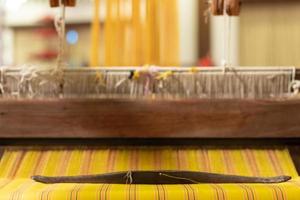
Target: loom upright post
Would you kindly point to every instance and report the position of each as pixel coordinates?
(189, 31)
(224, 30)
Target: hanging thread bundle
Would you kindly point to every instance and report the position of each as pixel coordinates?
(136, 33)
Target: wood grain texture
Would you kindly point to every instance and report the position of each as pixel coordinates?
(149, 119)
(55, 3)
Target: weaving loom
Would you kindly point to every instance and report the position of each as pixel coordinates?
(84, 121)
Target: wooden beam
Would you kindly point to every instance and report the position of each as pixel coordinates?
(56, 3)
(297, 74)
(267, 1)
(149, 119)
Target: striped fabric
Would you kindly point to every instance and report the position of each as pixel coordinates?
(17, 165)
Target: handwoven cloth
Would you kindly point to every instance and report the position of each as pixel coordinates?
(17, 165)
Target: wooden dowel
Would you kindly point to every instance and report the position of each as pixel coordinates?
(70, 3)
(217, 7)
(232, 7)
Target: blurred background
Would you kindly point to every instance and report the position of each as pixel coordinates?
(267, 33)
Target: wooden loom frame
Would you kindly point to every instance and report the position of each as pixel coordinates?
(115, 118)
(68, 122)
(127, 118)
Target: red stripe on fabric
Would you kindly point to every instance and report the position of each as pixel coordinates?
(85, 169)
(157, 159)
(275, 192)
(50, 191)
(74, 192)
(252, 162)
(217, 195)
(42, 193)
(135, 192)
(203, 158)
(253, 193)
(158, 192)
(38, 163)
(65, 161)
(100, 191)
(249, 194)
(275, 162)
(184, 159)
(128, 188)
(164, 192)
(228, 162)
(186, 192)
(178, 159)
(131, 192)
(137, 160)
(17, 164)
(108, 162)
(280, 194)
(220, 192)
(107, 192)
(157, 197)
(45, 160)
(104, 191)
(77, 191)
(190, 192)
(134, 159)
(193, 191)
(111, 160)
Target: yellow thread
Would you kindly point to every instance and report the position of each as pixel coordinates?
(146, 33)
(169, 33)
(136, 75)
(194, 70)
(100, 78)
(94, 57)
(136, 33)
(164, 75)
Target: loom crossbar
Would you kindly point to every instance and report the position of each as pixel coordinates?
(111, 118)
(107, 117)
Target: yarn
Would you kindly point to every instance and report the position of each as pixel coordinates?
(154, 82)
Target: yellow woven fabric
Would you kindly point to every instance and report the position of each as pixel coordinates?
(17, 165)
